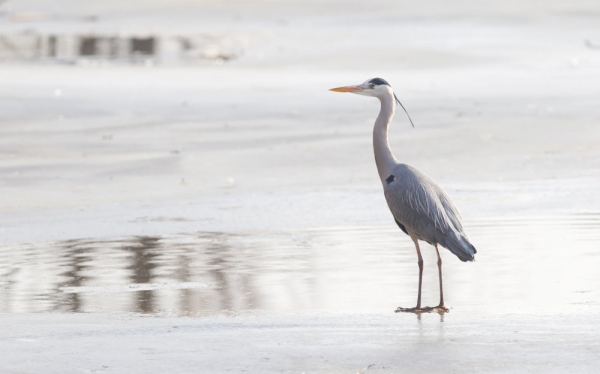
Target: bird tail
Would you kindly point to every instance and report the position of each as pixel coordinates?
(459, 245)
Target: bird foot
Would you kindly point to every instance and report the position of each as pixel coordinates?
(440, 309)
(412, 310)
(427, 309)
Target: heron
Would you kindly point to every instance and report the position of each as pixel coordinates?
(420, 207)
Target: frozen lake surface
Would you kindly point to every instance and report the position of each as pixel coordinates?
(297, 301)
(459, 342)
(224, 215)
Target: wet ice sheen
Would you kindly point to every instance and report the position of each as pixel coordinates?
(522, 264)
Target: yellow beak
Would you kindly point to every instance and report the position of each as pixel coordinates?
(346, 89)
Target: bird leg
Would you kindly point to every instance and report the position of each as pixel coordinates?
(418, 308)
(441, 307)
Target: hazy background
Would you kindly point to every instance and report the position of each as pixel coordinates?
(185, 158)
(129, 110)
(123, 123)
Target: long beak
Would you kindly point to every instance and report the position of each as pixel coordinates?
(346, 89)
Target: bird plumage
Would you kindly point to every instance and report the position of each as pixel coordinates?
(425, 210)
(418, 204)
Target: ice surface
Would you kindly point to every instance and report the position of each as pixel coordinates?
(238, 200)
(460, 342)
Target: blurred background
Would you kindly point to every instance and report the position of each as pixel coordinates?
(126, 127)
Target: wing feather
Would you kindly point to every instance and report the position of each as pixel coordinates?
(419, 204)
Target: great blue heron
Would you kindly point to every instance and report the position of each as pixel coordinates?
(420, 207)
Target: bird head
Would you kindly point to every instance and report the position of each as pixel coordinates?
(377, 87)
(372, 87)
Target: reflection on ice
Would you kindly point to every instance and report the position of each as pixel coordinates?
(85, 48)
(529, 262)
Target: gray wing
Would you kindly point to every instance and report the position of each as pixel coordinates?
(425, 210)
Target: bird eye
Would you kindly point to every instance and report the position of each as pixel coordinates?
(371, 85)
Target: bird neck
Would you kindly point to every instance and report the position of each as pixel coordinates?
(384, 159)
